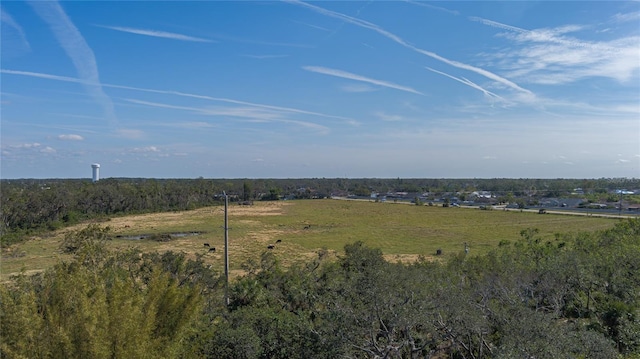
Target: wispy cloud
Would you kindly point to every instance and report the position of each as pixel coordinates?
(387, 117)
(262, 57)
(5, 18)
(25, 145)
(146, 149)
(399, 40)
(632, 16)
(70, 137)
(178, 93)
(312, 26)
(78, 51)
(239, 102)
(548, 56)
(46, 76)
(193, 125)
(358, 88)
(261, 42)
(250, 114)
(131, 134)
(468, 83)
(156, 33)
(351, 76)
(439, 8)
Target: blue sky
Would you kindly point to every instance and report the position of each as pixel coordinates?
(295, 89)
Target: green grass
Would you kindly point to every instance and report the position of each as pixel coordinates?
(401, 231)
(420, 230)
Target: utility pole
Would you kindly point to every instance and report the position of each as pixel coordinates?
(226, 248)
(620, 204)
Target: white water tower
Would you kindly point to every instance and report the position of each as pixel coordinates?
(96, 172)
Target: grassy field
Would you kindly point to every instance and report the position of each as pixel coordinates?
(401, 231)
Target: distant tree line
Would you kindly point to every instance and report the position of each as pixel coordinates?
(577, 296)
(30, 205)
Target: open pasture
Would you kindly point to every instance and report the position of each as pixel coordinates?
(298, 229)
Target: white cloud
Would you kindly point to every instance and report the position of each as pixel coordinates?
(155, 33)
(70, 137)
(350, 76)
(48, 150)
(547, 56)
(26, 145)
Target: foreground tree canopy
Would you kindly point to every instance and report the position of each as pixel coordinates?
(575, 297)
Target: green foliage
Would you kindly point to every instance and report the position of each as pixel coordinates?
(273, 195)
(533, 298)
(92, 235)
(124, 305)
(37, 205)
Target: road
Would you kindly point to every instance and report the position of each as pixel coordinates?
(567, 212)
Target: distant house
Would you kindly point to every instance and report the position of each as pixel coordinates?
(596, 206)
(561, 202)
(481, 194)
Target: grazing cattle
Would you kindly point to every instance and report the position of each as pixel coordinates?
(307, 226)
(206, 244)
(271, 246)
(212, 249)
(438, 252)
(279, 240)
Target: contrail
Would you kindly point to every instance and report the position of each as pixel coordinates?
(350, 76)
(6, 18)
(468, 83)
(399, 40)
(155, 33)
(175, 93)
(78, 51)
